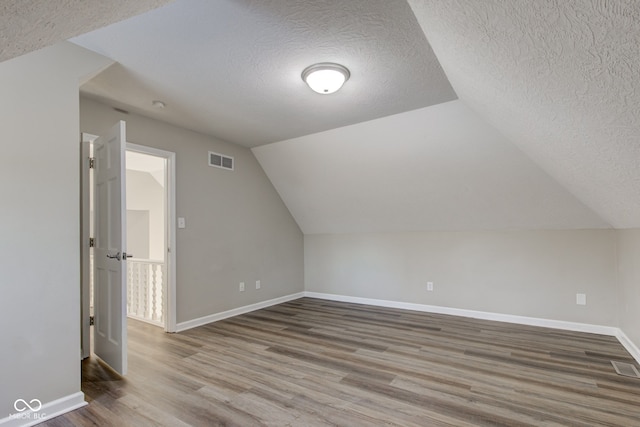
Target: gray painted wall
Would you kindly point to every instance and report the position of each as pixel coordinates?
(39, 231)
(629, 277)
(238, 228)
(526, 273)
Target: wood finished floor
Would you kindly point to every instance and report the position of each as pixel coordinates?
(313, 363)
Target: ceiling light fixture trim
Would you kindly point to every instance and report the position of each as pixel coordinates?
(325, 77)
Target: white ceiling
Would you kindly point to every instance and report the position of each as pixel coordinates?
(231, 68)
(27, 25)
(436, 168)
(545, 134)
(561, 79)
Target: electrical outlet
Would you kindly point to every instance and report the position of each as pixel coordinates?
(581, 299)
(258, 285)
(429, 286)
(241, 286)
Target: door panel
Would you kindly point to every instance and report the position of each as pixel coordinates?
(110, 331)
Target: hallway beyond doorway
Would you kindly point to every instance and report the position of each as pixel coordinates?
(146, 236)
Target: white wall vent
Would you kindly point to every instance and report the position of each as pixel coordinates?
(218, 160)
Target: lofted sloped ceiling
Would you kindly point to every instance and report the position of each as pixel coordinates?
(438, 168)
(560, 79)
(232, 68)
(28, 25)
(545, 133)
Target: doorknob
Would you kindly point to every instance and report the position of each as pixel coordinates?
(116, 256)
(126, 255)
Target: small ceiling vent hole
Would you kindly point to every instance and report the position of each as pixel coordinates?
(221, 161)
(625, 369)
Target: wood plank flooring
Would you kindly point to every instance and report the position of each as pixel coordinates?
(311, 362)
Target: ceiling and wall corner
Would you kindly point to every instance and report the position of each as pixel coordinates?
(560, 79)
(232, 69)
(554, 79)
(28, 25)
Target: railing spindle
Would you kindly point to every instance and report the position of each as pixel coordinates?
(154, 278)
(145, 292)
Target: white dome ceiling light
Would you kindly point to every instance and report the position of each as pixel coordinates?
(326, 77)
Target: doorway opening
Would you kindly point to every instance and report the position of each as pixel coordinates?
(149, 204)
(146, 232)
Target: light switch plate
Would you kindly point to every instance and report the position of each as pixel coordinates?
(182, 223)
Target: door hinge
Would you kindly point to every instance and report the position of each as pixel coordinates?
(92, 162)
(92, 242)
(92, 320)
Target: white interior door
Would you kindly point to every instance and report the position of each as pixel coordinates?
(110, 296)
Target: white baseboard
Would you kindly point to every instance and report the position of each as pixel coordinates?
(509, 318)
(46, 412)
(629, 345)
(183, 326)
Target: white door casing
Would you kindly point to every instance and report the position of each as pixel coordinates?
(110, 329)
(85, 211)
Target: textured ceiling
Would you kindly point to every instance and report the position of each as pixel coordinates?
(560, 78)
(436, 168)
(231, 68)
(27, 25)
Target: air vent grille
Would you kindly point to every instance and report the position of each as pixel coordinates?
(221, 161)
(626, 369)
